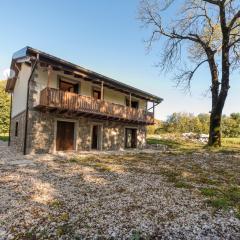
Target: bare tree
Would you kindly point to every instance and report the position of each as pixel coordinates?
(208, 32)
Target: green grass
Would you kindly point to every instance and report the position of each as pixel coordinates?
(4, 138)
(216, 179)
(219, 203)
(209, 192)
(183, 185)
(178, 145)
(220, 185)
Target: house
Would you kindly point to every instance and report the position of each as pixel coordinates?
(59, 106)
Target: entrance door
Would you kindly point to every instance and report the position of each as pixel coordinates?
(68, 87)
(65, 136)
(130, 138)
(96, 94)
(95, 136)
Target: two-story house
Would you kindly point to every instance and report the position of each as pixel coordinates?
(59, 106)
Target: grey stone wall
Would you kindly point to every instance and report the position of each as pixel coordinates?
(17, 142)
(41, 133)
(40, 138)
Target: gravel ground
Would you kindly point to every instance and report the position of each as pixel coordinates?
(103, 196)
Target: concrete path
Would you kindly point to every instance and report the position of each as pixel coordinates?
(9, 157)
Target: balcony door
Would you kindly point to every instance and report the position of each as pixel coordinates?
(130, 138)
(65, 136)
(68, 86)
(96, 94)
(96, 137)
(134, 104)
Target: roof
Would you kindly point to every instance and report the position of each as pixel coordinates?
(28, 53)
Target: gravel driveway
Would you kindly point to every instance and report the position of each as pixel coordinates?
(103, 196)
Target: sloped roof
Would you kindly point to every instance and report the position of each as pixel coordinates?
(28, 53)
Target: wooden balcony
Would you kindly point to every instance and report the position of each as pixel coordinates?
(54, 100)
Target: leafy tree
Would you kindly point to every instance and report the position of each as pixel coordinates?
(204, 119)
(186, 122)
(153, 128)
(4, 109)
(231, 126)
(207, 32)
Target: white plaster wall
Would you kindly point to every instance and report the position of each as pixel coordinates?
(20, 90)
(41, 82)
(114, 96)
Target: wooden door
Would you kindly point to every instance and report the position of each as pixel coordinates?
(68, 87)
(65, 136)
(134, 138)
(95, 133)
(96, 94)
(130, 138)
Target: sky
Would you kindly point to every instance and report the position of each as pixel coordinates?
(104, 36)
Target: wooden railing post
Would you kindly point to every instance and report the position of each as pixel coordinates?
(51, 97)
(102, 91)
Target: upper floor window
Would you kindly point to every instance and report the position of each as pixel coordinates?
(68, 86)
(134, 104)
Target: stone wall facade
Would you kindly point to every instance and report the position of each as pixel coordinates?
(41, 133)
(41, 139)
(17, 139)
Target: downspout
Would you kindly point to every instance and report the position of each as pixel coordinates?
(10, 123)
(27, 107)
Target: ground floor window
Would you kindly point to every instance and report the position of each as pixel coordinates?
(16, 129)
(65, 136)
(130, 138)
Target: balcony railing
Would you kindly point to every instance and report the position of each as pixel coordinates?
(73, 103)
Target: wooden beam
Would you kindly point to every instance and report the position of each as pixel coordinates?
(130, 100)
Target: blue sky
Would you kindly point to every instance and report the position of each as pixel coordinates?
(104, 36)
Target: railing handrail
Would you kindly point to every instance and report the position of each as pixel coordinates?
(73, 101)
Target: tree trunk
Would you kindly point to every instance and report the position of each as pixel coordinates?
(215, 128)
(216, 119)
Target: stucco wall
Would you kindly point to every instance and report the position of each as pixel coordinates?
(20, 90)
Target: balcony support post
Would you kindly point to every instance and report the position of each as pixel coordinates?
(153, 109)
(102, 90)
(49, 75)
(130, 100)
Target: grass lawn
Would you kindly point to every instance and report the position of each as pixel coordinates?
(178, 145)
(216, 177)
(222, 184)
(4, 138)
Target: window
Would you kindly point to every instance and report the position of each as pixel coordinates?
(96, 94)
(16, 129)
(134, 104)
(68, 86)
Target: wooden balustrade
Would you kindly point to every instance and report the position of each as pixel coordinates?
(60, 100)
